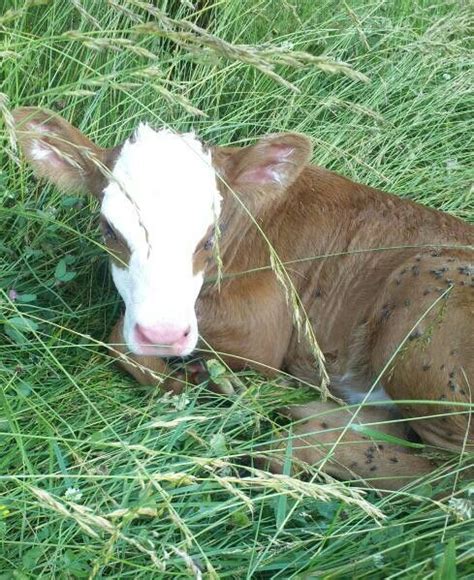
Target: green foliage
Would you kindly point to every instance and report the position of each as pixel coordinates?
(99, 478)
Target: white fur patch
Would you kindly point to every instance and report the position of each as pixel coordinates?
(166, 201)
(356, 397)
(354, 392)
(39, 153)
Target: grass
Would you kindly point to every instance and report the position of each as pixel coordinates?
(99, 478)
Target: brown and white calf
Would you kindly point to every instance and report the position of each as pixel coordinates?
(391, 304)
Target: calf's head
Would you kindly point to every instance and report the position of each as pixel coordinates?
(161, 195)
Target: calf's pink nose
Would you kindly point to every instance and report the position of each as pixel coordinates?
(165, 334)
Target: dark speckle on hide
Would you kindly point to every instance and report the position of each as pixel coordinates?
(415, 334)
(451, 374)
(462, 392)
(437, 273)
(394, 459)
(442, 398)
(324, 425)
(318, 293)
(426, 366)
(426, 292)
(415, 270)
(407, 302)
(373, 468)
(386, 311)
(452, 385)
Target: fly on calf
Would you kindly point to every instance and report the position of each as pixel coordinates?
(391, 304)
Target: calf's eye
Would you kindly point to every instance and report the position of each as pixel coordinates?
(209, 243)
(108, 231)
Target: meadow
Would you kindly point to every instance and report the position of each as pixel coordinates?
(101, 478)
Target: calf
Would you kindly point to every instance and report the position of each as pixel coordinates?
(386, 285)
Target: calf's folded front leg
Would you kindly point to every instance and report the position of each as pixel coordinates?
(147, 370)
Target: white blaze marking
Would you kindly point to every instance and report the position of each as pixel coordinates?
(170, 182)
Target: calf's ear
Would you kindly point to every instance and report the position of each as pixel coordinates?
(269, 167)
(60, 153)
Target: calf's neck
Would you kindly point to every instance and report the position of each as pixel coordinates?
(387, 285)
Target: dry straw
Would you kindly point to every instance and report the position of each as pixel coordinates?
(93, 524)
(264, 58)
(9, 123)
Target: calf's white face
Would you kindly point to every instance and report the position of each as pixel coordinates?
(162, 202)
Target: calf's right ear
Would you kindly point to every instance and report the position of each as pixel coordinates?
(60, 153)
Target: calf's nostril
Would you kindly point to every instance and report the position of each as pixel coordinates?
(187, 331)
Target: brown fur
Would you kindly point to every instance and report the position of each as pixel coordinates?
(403, 314)
(326, 436)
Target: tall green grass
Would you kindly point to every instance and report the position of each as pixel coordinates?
(101, 478)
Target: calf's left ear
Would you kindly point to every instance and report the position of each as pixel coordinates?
(60, 153)
(270, 166)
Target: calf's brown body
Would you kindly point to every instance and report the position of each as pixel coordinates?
(391, 305)
(387, 285)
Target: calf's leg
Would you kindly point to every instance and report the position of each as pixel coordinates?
(147, 370)
(332, 438)
(432, 374)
